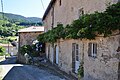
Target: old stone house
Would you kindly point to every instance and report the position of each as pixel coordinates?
(100, 56)
(27, 36)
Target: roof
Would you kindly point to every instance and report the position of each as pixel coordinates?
(32, 29)
(48, 9)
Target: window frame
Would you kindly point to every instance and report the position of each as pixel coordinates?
(75, 49)
(92, 50)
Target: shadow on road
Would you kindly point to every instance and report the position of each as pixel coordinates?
(8, 60)
(9, 72)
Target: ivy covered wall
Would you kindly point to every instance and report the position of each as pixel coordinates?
(86, 27)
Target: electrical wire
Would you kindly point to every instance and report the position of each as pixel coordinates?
(2, 9)
(42, 4)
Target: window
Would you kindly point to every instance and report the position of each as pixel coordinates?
(77, 52)
(80, 12)
(60, 2)
(92, 50)
(75, 56)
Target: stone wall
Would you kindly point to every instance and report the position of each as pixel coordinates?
(69, 10)
(105, 66)
(27, 38)
(65, 53)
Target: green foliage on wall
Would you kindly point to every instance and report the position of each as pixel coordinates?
(25, 49)
(2, 51)
(87, 27)
(30, 50)
(52, 35)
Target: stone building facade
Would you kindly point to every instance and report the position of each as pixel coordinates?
(105, 64)
(26, 37)
(100, 56)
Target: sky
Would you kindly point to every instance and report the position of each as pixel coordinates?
(27, 8)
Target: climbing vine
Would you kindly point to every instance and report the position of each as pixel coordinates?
(52, 35)
(88, 26)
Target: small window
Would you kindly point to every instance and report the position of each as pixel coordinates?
(80, 12)
(92, 50)
(60, 2)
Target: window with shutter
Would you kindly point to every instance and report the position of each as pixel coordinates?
(92, 50)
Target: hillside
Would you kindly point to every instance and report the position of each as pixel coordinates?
(21, 20)
(12, 23)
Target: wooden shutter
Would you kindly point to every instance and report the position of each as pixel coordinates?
(73, 57)
(89, 49)
(95, 48)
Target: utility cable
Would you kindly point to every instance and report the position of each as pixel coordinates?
(2, 9)
(42, 4)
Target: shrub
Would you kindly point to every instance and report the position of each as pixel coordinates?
(2, 51)
(81, 71)
(30, 50)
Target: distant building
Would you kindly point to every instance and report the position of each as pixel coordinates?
(10, 49)
(27, 36)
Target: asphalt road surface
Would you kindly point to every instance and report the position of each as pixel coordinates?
(11, 71)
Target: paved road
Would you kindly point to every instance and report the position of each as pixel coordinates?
(10, 71)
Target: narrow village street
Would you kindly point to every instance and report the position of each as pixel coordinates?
(11, 71)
